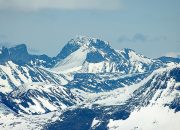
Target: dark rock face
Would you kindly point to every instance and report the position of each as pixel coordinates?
(16, 54)
(82, 118)
(94, 57)
(175, 104)
(19, 55)
(79, 119)
(67, 50)
(4, 56)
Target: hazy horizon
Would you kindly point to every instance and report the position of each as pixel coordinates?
(149, 27)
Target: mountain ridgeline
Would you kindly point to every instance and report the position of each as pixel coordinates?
(91, 52)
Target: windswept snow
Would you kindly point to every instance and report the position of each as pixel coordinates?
(73, 62)
(10, 121)
(148, 118)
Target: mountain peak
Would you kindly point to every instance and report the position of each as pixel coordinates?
(86, 40)
(81, 41)
(21, 48)
(19, 55)
(128, 50)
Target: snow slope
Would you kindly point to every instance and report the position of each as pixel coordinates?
(13, 75)
(11, 121)
(39, 98)
(160, 87)
(148, 118)
(73, 62)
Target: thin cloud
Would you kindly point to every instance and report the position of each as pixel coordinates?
(3, 36)
(32, 5)
(4, 41)
(5, 44)
(139, 37)
(173, 54)
(33, 50)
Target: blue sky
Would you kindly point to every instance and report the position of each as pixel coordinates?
(150, 27)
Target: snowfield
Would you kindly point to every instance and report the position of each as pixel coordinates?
(148, 118)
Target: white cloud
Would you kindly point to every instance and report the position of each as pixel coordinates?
(32, 5)
(173, 54)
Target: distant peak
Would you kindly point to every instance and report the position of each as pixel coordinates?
(126, 51)
(16, 48)
(21, 47)
(82, 41)
(85, 40)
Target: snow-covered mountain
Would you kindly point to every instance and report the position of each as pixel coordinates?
(91, 55)
(83, 54)
(110, 110)
(88, 86)
(138, 62)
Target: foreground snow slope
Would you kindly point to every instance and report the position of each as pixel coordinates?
(11, 121)
(161, 106)
(148, 118)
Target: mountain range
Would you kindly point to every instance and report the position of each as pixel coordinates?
(88, 86)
